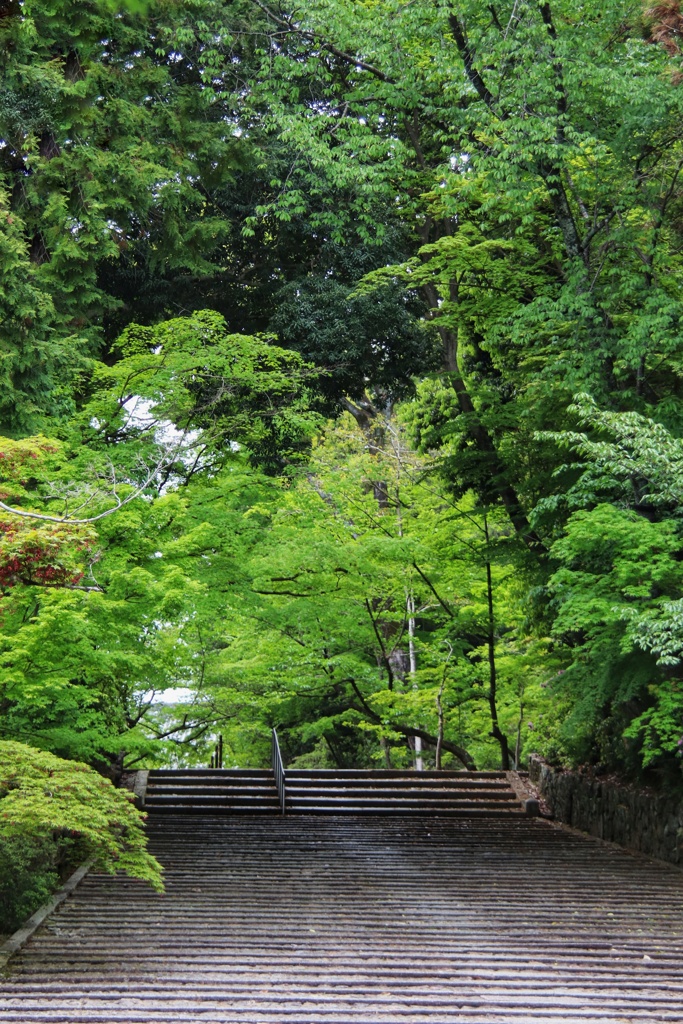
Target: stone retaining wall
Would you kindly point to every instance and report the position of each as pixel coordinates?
(635, 819)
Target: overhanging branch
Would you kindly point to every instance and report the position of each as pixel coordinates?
(314, 37)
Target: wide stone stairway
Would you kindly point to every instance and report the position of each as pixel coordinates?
(454, 907)
(356, 791)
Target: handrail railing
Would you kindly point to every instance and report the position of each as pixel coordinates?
(278, 771)
(217, 756)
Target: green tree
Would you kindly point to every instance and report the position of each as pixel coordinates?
(101, 566)
(536, 157)
(617, 590)
(55, 814)
(372, 611)
(475, 212)
(111, 131)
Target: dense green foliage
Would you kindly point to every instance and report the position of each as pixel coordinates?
(55, 814)
(342, 352)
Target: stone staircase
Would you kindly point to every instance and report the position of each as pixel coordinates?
(210, 790)
(343, 919)
(355, 791)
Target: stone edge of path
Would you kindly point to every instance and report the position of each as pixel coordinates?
(562, 826)
(136, 783)
(23, 934)
(524, 789)
(525, 793)
(140, 788)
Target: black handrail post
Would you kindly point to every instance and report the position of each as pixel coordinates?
(217, 755)
(278, 771)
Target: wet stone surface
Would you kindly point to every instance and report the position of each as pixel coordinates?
(304, 919)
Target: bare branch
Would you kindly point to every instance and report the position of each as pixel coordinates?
(468, 60)
(444, 604)
(385, 656)
(166, 460)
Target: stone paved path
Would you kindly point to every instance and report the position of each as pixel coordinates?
(310, 920)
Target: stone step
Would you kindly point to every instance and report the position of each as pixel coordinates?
(217, 790)
(362, 919)
(386, 773)
(397, 792)
(218, 773)
(393, 785)
(325, 791)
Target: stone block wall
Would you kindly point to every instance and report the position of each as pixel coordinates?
(636, 819)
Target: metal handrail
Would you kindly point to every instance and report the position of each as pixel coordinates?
(217, 756)
(278, 771)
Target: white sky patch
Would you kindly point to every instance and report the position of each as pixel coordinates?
(174, 695)
(141, 413)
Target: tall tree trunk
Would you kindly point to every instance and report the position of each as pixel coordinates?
(479, 433)
(410, 608)
(496, 731)
(439, 710)
(518, 740)
(439, 732)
